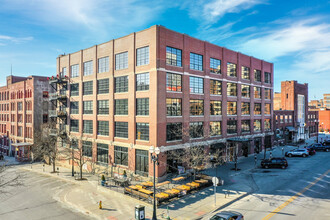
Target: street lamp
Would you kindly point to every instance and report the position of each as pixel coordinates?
(317, 130)
(154, 158)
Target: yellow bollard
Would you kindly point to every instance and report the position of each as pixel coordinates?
(100, 205)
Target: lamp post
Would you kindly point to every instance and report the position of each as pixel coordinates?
(154, 158)
(317, 130)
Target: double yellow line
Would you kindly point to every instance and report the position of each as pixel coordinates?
(294, 197)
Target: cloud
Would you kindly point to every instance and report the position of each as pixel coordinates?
(4, 39)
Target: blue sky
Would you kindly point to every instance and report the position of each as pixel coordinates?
(293, 34)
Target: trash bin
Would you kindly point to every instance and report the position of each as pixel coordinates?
(139, 212)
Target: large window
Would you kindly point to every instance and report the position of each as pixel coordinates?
(257, 75)
(173, 56)
(196, 129)
(103, 86)
(63, 73)
(215, 107)
(245, 91)
(103, 107)
(215, 66)
(215, 128)
(122, 61)
(267, 77)
(174, 107)
(196, 85)
(257, 108)
(102, 153)
(215, 87)
(121, 155)
(75, 71)
(245, 72)
(142, 106)
(231, 108)
(88, 107)
(88, 126)
(142, 56)
(231, 69)
(74, 89)
(88, 88)
(74, 125)
(121, 129)
(121, 84)
(246, 126)
(173, 131)
(142, 81)
(231, 89)
(121, 107)
(142, 131)
(196, 107)
(103, 128)
(257, 125)
(196, 61)
(87, 149)
(74, 107)
(245, 108)
(267, 93)
(231, 127)
(257, 92)
(141, 162)
(173, 82)
(103, 65)
(20, 106)
(267, 108)
(88, 68)
(267, 125)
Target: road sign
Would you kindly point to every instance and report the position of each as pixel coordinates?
(215, 181)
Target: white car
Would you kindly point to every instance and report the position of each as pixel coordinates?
(297, 153)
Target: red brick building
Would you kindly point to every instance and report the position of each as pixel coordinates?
(158, 87)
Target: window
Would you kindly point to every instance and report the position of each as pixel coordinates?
(173, 82)
(215, 65)
(20, 131)
(173, 56)
(63, 73)
(281, 118)
(121, 107)
(141, 162)
(174, 107)
(245, 91)
(88, 88)
(88, 68)
(215, 107)
(231, 69)
(245, 108)
(267, 125)
(257, 92)
(121, 155)
(44, 118)
(286, 119)
(245, 72)
(231, 108)
(196, 107)
(88, 126)
(74, 108)
(102, 153)
(19, 106)
(196, 61)
(103, 107)
(196, 129)
(231, 127)
(215, 87)
(196, 85)
(267, 77)
(231, 89)
(87, 149)
(142, 81)
(257, 108)
(75, 71)
(290, 118)
(103, 65)
(142, 56)
(142, 131)
(74, 125)
(121, 129)
(88, 107)
(267, 109)
(215, 128)
(122, 61)
(246, 126)
(103, 86)
(121, 84)
(74, 89)
(173, 131)
(142, 106)
(257, 75)
(103, 128)
(267, 93)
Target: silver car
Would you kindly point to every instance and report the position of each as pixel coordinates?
(297, 153)
(227, 215)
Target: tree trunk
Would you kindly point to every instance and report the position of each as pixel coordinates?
(53, 165)
(81, 165)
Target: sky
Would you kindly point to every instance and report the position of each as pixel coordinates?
(292, 34)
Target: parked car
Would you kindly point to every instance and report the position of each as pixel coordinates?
(320, 147)
(311, 150)
(227, 215)
(275, 162)
(1, 156)
(297, 153)
(326, 143)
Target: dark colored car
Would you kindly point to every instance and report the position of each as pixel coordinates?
(320, 147)
(1, 156)
(276, 162)
(311, 150)
(326, 143)
(227, 215)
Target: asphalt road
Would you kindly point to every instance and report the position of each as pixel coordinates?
(34, 200)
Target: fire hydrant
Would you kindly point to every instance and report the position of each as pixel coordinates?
(100, 205)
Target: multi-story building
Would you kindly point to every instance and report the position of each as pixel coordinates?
(316, 104)
(161, 88)
(326, 101)
(23, 108)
